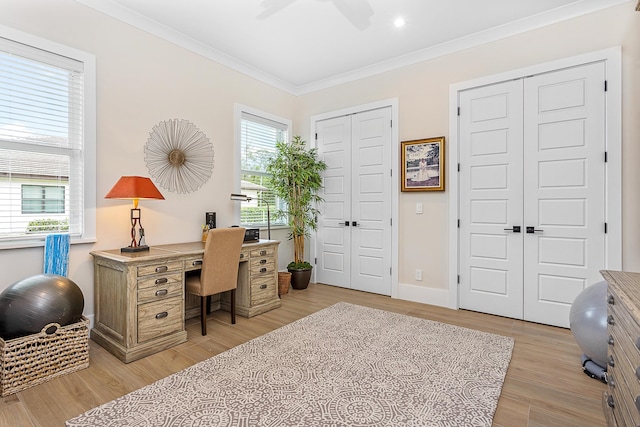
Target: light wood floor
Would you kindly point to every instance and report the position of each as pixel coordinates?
(545, 385)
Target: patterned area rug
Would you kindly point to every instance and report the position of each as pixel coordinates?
(345, 365)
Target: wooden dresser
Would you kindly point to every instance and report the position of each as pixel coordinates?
(621, 401)
(140, 297)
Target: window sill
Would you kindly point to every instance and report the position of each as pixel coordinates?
(39, 242)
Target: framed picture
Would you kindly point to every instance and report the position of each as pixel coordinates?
(423, 164)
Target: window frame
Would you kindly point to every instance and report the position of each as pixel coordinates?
(88, 233)
(239, 109)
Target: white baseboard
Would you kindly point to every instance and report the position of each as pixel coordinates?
(439, 297)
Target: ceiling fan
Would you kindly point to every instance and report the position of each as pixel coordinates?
(358, 12)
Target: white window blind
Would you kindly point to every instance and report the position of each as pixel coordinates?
(42, 97)
(258, 137)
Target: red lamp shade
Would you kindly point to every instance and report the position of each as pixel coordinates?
(135, 188)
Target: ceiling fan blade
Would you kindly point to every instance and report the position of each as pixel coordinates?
(358, 12)
(273, 6)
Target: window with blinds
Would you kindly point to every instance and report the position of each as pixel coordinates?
(258, 137)
(42, 144)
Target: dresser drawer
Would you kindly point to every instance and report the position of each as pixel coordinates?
(157, 292)
(262, 290)
(157, 268)
(160, 318)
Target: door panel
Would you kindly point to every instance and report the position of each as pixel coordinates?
(333, 237)
(371, 201)
(491, 199)
(565, 188)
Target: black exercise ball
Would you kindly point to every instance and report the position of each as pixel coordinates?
(30, 304)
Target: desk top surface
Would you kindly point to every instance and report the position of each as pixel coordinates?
(169, 251)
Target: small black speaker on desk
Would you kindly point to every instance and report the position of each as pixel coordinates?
(210, 219)
(251, 235)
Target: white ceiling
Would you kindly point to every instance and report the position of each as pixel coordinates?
(305, 45)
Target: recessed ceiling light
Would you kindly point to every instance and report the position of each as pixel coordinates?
(399, 22)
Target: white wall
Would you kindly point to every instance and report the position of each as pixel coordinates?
(143, 80)
(423, 97)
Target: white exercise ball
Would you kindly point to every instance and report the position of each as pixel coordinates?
(588, 322)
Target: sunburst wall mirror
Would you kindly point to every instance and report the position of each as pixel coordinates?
(179, 156)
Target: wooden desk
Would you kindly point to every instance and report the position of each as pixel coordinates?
(140, 297)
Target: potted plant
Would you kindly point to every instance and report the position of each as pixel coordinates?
(296, 179)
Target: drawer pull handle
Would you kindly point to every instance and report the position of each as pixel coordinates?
(263, 252)
(637, 401)
(610, 341)
(610, 320)
(263, 269)
(161, 292)
(610, 382)
(161, 281)
(162, 269)
(611, 300)
(638, 372)
(263, 261)
(241, 256)
(610, 403)
(162, 315)
(195, 263)
(611, 362)
(263, 286)
(638, 343)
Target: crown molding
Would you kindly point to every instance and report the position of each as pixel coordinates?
(570, 11)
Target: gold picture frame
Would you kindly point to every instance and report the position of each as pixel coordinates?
(423, 164)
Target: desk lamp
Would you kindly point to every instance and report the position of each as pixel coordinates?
(135, 188)
(245, 198)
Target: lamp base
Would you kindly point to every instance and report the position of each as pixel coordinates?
(135, 249)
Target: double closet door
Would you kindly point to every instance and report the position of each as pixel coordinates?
(353, 240)
(532, 193)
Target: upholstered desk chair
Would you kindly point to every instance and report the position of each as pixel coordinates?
(219, 273)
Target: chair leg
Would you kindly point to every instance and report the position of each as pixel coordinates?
(233, 306)
(209, 304)
(203, 314)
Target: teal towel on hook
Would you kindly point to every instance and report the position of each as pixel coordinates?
(56, 254)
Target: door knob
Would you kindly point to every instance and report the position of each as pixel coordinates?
(532, 230)
(515, 229)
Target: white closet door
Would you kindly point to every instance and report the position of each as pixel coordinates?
(354, 227)
(564, 189)
(491, 252)
(371, 201)
(333, 264)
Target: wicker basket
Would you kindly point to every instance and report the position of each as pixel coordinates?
(34, 359)
(284, 281)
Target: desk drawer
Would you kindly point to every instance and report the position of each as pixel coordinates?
(262, 265)
(157, 268)
(156, 319)
(269, 251)
(164, 290)
(194, 263)
(159, 281)
(262, 290)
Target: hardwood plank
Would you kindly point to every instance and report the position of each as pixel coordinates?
(544, 386)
